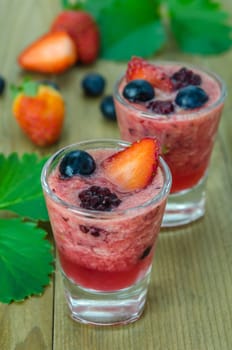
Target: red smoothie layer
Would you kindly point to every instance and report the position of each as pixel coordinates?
(105, 254)
(186, 136)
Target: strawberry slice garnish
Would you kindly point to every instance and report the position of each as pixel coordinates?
(134, 167)
(138, 68)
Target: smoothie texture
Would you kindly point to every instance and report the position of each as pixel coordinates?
(186, 132)
(107, 249)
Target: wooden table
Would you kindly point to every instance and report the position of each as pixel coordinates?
(190, 299)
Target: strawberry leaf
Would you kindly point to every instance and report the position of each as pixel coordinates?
(136, 27)
(28, 87)
(20, 189)
(25, 260)
(200, 26)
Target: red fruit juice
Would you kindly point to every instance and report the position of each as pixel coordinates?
(105, 251)
(186, 136)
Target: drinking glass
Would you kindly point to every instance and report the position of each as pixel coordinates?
(186, 137)
(105, 257)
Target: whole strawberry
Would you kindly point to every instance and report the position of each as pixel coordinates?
(84, 31)
(39, 110)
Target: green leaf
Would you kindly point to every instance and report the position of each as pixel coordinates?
(136, 27)
(25, 260)
(128, 46)
(20, 189)
(28, 87)
(199, 26)
(128, 27)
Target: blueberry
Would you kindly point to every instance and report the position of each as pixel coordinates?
(191, 97)
(77, 162)
(93, 84)
(107, 107)
(51, 83)
(138, 91)
(2, 85)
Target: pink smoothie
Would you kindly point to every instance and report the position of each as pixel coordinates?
(186, 136)
(106, 250)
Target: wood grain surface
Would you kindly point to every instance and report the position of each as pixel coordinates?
(190, 298)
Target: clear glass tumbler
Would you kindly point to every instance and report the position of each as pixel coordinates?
(105, 257)
(186, 137)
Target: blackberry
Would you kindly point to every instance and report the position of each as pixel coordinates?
(94, 231)
(98, 198)
(184, 77)
(161, 107)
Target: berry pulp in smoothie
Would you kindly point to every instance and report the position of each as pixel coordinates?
(105, 251)
(186, 135)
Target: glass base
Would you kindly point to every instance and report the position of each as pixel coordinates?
(106, 308)
(185, 206)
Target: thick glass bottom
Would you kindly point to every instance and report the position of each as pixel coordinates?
(185, 206)
(106, 308)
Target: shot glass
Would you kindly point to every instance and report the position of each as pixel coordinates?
(186, 137)
(105, 257)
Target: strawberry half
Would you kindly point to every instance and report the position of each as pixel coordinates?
(134, 167)
(138, 68)
(51, 53)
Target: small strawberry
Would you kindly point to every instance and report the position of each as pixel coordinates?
(134, 167)
(138, 68)
(51, 53)
(39, 110)
(83, 30)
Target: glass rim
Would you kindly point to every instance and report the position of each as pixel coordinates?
(182, 116)
(164, 191)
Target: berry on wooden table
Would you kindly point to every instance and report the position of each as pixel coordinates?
(93, 84)
(107, 108)
(51, 83)
(2, 84)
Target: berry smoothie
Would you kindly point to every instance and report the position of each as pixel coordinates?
(105, 234)
(183, 113)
